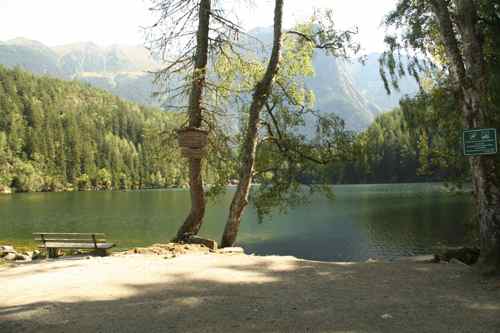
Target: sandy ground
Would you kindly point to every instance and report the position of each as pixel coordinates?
(241, 293)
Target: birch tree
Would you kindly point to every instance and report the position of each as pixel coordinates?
(281, 104)
(260, 95)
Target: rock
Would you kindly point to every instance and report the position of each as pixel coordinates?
(169, 256)
(141, 250)
(371, 260)
(420, 259)
(36, 255)
(5, 190)
(168, 246)
(210, 243)
(10, 256)
(6, 249)
(170, 250)
(386, 316)
(467, 255)
(17, 257)
(231, 250)
(32, 254)
(458, 262)
(23, 257)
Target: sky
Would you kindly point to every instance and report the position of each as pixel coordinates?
(106, 22)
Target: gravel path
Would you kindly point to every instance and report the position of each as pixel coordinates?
(241, 293)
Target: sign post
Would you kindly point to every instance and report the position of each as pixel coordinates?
(482, 141)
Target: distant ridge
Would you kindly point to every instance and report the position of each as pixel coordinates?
(351, 90)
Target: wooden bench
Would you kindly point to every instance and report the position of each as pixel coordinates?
(53, 241)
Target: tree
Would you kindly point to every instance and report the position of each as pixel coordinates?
(462, 34)
(195, 31)
(278, 155)
(261, 93)
(194, 220)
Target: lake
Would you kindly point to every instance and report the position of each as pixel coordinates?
(364, 221)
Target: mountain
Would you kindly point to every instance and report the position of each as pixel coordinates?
(353, 91)
(88, 57)
(30, 55)
(122, 70)
(337, 93)
(366, 78)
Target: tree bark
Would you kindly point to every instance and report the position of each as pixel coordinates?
(261, 93)
(194, 220)
(475, 107)
(469, 68)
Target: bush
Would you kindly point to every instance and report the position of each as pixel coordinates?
(83, 183)
(103, 180)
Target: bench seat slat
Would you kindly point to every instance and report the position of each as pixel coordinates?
(73, 240)
(77, 245)
(68, 233)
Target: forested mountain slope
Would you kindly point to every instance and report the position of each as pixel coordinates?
(57, 135)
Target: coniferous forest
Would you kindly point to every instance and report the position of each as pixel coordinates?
(64, 135)
(60, 135)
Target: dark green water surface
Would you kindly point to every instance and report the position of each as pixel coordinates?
(364, 221)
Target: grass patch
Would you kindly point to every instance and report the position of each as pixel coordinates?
(20, 245)
(3, 263)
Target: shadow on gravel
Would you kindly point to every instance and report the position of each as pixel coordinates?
(285, 296)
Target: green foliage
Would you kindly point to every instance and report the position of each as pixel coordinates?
(435, 117)
(418, 142)
(26, 177)
(384, 153)
(57, 135)
(297, 143)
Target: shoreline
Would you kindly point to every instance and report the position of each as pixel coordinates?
(10, 191)
(465, 256)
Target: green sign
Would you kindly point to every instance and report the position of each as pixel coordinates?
(481, 141)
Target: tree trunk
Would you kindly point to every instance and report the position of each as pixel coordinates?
(475, 108)
(487, 199)
(194, 220)
(469, 69)
(260, 96)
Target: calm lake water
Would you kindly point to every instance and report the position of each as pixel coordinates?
(364, 221)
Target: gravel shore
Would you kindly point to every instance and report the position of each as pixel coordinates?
(210, 292)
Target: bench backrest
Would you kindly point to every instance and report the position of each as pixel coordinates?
(59, 237)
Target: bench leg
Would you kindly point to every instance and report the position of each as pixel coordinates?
(101, 252)
(52, 252)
